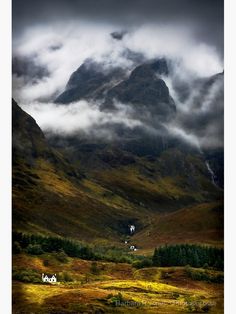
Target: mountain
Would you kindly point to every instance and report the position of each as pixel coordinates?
(29, 144)
(143, 175)
(51, 196)
(41, 177)
(63, 190)
(89, 81)
(144, 93)
(145, 88)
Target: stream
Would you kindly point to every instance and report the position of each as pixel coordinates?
(211, 173)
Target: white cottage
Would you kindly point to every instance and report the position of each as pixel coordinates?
(50, 279)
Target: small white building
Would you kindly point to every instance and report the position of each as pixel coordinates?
(50, 279)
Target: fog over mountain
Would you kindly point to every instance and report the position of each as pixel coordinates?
(115, 40)
(118, 156)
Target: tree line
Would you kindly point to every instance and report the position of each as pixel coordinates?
(188, 254)
(38, 244)
(171, 255)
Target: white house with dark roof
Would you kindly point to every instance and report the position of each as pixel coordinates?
(48, 278)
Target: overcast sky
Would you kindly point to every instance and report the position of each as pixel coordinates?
(52, 38)
(204, 16)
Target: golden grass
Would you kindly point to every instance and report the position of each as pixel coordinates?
(38, 293)
(148, 295)
(52, 180)
(107, 197)
(147, 287)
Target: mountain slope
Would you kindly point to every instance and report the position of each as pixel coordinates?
(138, 177)
(201, 223)
(50, 196)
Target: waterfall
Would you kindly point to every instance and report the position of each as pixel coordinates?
(211, 173)
(132, 229)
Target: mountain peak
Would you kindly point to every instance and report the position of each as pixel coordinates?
(89, 81)
(118, 35)
(157, 67)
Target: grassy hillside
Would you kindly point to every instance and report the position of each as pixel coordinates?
(111, 288)
(195, 224)
(95, 195)
(55, 204)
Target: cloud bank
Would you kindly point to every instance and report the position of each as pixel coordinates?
(81, 117)
(61, 49)
(47, 55)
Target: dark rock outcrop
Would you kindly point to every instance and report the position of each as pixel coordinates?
(89, 81)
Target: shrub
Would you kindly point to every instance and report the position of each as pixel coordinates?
(204, 275)
(26, 275)
(116, 299)
(87, 278)
(46, 262)
(65, 276)
(61, 256)
(94, 268)
(34, 249)
(146, 262)
(197, 305)
(175, 295)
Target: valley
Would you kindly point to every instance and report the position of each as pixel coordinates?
(83, 191)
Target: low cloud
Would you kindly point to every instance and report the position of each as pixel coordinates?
(177, 43)
(56, 52)
(76, 42)
(200, 117)
(82, 117)
(201, 126)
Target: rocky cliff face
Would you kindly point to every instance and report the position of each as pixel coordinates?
(90, 81)
(144, 87)
(146, 90)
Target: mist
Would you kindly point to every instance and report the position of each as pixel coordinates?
(61, 49)
(82, 118)
(47, 56)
